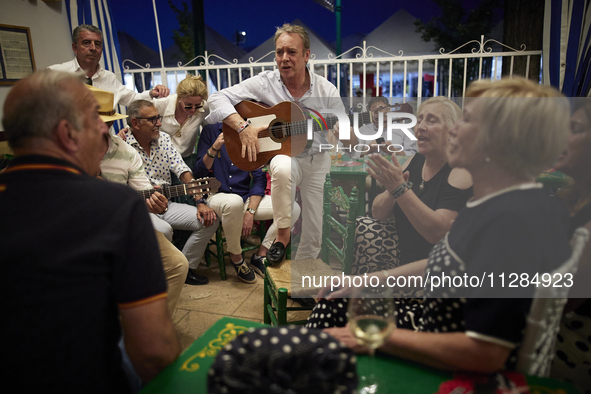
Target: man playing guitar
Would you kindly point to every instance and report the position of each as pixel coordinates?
(291, 81)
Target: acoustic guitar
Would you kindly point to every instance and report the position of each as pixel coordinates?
(196, 188)
(286, 132)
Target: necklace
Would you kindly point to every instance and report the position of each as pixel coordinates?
(422, 185)
(178, 133)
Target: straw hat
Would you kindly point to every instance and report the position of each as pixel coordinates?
(106, 103)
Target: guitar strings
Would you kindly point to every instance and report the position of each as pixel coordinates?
(300, 127)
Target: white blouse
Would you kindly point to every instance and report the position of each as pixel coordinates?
(183, 137)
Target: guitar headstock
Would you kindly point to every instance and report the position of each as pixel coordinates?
(203, 186)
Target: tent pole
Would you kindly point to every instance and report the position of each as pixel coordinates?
(338, 17)
(199, 32)
(164, 81)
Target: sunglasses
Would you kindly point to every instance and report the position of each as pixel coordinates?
(190, 107)
(153, 119)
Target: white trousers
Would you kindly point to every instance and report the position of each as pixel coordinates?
(309, 174)
(230, 209)
(184, 217)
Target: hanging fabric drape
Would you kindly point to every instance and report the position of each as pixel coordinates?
(98, 13)
(567, 41)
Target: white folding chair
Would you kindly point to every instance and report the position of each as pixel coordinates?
(543, 321)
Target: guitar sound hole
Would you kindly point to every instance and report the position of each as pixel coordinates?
(278, 130)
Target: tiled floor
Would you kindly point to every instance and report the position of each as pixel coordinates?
(199, 307)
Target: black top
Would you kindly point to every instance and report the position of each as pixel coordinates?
(517, 232)
(74, 248)
(436, 194)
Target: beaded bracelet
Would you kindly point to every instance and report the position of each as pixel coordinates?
(210, 155)
(400, 190)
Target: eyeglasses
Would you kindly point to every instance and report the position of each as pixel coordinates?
(190, 107)
(153, 119)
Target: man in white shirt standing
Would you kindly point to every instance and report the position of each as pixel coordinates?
(291, 81)
(87, 44)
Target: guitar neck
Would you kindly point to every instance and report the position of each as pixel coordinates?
(301, 127)
(167, 191)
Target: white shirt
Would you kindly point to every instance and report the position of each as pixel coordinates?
(163, 158)
(185, 138)
(122, 164)
(267, 87)
(105, 80)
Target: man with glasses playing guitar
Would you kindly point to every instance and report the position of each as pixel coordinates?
(160, 157)
(122, 164)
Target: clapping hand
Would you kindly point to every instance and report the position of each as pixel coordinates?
(389, 174)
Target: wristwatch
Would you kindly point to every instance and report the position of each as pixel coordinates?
(250, 210)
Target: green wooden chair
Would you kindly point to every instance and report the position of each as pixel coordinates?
(215, 247)
(277, 287)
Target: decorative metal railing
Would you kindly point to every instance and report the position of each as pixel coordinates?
(362, 71)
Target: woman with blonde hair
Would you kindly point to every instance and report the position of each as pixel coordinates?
(183, 113)
(510, 131)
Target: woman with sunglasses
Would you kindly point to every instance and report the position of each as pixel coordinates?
(182, 114)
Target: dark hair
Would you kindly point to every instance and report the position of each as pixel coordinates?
(578, 194)
(379, 99)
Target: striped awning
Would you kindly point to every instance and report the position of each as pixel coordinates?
(98, 13)
(567, 41)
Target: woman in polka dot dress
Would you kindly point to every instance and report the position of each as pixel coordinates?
(504, 139)
(573, 347)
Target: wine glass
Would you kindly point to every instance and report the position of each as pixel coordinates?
(371, 319)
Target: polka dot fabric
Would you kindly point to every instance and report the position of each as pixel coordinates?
(573, 351)
(283, 360)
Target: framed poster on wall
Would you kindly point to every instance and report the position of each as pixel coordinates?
(16, 53)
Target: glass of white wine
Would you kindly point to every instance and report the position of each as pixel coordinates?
(371, 319)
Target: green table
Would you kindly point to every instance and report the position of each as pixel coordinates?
(345, 168)
(552, 179)
(188, 374)
(355, 170)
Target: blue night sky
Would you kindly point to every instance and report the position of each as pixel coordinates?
(260, 17)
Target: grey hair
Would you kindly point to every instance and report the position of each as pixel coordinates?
(135, 108)
(451, 111)
(90, 28)
(40, 102)
(295, 29)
